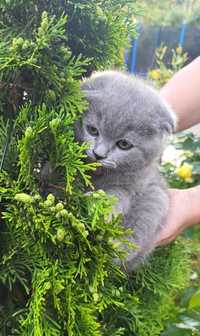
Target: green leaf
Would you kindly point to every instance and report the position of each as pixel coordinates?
(195, 300)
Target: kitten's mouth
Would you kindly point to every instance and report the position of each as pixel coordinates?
(105, 164)
(108, 164)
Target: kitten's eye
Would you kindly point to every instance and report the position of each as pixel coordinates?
(124, 144)
(92, 130)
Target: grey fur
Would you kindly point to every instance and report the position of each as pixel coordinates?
(124, 107)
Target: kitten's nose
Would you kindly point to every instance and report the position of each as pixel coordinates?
(98, 157)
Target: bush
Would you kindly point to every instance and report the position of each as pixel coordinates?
(57, 275)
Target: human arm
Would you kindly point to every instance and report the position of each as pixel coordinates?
(184, 212)
(182, 94)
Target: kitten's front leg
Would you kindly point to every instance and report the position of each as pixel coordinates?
(146, 217)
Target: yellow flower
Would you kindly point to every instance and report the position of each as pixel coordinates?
(179, 50)
(185, 172)
(155, 73)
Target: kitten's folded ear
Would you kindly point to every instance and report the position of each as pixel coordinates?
(168, 120)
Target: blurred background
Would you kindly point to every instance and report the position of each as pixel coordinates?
(171, 23)
(168, 37)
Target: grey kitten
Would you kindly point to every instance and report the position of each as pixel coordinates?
(126, 126)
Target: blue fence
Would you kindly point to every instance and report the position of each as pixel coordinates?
(131, 56)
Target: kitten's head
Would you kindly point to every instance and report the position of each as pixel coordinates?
(126, 121)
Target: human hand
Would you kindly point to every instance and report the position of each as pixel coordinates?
(184, 211)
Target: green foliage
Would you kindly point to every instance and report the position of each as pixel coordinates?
(184, 172)
(163, 70)
(188, 319)
(95, 29)
(58, 242)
